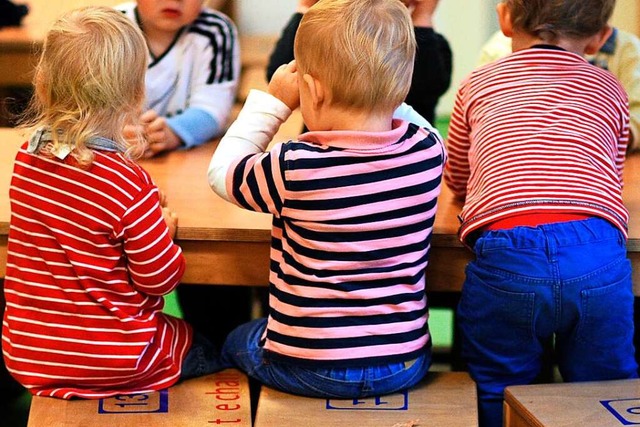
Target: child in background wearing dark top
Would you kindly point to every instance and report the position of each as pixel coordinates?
(537, 144)
(432, 65)
(90, 248)
(353, 204)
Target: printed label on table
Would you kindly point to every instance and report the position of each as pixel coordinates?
(627, 411)
(391, 402)
(138, 403)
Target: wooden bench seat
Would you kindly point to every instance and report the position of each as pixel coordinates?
(442, 399)
(217, 399)
(580, 404)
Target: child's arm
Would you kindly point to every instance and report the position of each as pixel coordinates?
(408, 113)
(213, 84)
(457, 170)
(155, 263)
(283, 51)
(195, 126)
(214, 90)
(169, 216)
(251, 133)
(257, 123)
(158, 134)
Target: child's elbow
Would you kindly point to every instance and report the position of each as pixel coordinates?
(216, 176)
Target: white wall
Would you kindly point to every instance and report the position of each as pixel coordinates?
(466, 24)
(263, 16)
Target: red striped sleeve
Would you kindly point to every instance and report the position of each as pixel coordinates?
(89, 258)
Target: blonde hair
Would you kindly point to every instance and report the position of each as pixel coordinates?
(362, 50)
(89, 81)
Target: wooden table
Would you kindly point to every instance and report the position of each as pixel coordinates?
(225, 244)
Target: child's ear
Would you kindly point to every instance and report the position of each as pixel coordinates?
(504, 19)
(597, 40)
(316, 89)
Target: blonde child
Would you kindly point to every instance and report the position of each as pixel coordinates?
(90, 251)
(353, 204)
(432, 65)
(537, 143)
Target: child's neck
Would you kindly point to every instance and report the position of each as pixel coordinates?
(349, 120)
(159, 41)
(521, 41)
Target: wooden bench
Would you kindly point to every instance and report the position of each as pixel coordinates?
(217, 399)
(442, 399)
(601, 404)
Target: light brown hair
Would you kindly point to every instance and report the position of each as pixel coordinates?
(90, 80)
(551, 19)
(362, 50)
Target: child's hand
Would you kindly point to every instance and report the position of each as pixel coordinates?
(163, 198)
(304, 5)
(171, 218)
(159, 135)
(284, 85)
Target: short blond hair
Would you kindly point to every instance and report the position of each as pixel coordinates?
(362, 50)
(90, 80)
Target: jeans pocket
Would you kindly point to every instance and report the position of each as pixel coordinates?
(606, 318)
(494, 312)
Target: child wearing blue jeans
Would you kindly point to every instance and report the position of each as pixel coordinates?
(537, 143)
(353, 204)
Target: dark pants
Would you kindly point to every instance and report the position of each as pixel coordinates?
(215, 310)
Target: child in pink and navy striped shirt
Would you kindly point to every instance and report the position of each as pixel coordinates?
(353, 203)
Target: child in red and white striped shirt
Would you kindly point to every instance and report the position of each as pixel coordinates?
(537, 143)
(91, 251)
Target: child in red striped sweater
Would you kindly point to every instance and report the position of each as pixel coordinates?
(537, 143)
(90, 250)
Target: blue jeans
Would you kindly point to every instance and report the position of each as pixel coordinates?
(202, 358)
(569, 280)
(242, 349)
